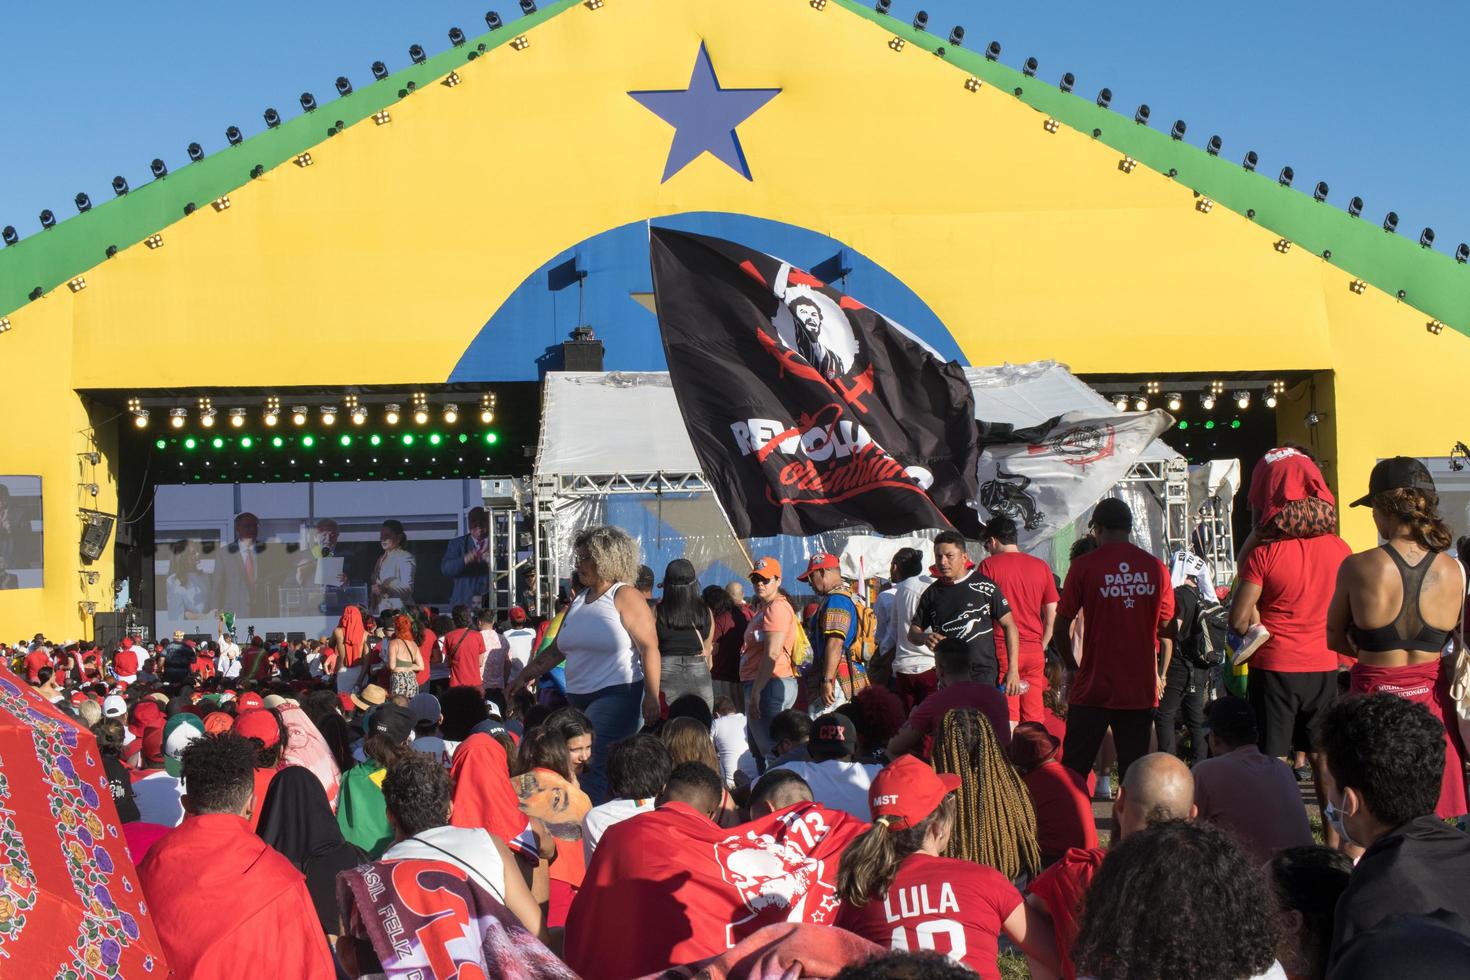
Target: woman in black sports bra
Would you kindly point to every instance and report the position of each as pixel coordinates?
(1413, 592)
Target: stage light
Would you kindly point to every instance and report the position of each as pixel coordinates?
(9, 235)
(407, 438)
(1207, 401)
(463, 438)
(233, 136)
(1104, 98)
(308, 440)
(1175, 401)
(217, 442)
(1127, 164)
(191, 443)
(140, 418)
(195, 151)
(1462, 253)
(272, 118)
(344, 85)
(1250, 160)
(1319, 193)
(159, 168)
(1177, 130)
(1358, 286)
(344, 440)
(1285, 177)
(277, 442)
(83, 202)
(1120, 402)
(390, 414)
(456, 37)
(48, 220)
(491, 438)
(1242, 400)
(492, 20)
(435, 438)
(298, 415)
(1426, 238)
(1434, 327)
(206, 418)
(177, 417)
(329, 415)
(1282, 245)
(1214, 146)
(487, 416)
(416, 54)
(421, 415)
(1355, 207)
(380, 71)
(1391, 221)
(1183, 424)
(375, 439)
(957, 36)
(382, 118)
(451, 414)
(992, 51)
(1209, 423)
(246, 442)
(1141, 114)
(1271, 399)
(359, 415)
(1068, 80)
(237, 417)
(1028, 68)
(161, 444)
(308, 102)
(528, 7)
(1140, 403)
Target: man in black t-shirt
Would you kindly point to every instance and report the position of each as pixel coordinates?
(967, 606)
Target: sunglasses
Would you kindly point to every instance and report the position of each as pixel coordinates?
(758, 580)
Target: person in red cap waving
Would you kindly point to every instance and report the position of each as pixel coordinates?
(897, 891)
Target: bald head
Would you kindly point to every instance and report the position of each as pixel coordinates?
(1157, 787)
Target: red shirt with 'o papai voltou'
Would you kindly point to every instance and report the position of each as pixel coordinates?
(941, 904)
(1124, 596)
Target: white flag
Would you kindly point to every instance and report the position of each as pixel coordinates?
(1046, 476)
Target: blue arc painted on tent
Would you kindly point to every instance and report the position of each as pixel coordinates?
(599, 282)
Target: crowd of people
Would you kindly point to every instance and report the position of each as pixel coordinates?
(897, 781)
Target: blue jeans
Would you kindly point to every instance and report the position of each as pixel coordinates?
(616, 712)
(778, 695)
(686, 675)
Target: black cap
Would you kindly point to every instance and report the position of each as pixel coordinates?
(680, 571)
(392, 720)
(1111, 514)
(1398, 473)
(832, 734)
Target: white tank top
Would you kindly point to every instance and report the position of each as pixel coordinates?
(598, 649)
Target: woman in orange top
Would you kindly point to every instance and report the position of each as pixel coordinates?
(767, 674)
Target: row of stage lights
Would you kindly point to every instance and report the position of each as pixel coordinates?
(312, 441)
(272, 414)
(1174, 400)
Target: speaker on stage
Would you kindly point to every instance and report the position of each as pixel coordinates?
(108, 629)
(96, 529)
(583, 352)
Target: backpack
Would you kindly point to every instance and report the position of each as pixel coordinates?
(1207, 643)
(865, 637)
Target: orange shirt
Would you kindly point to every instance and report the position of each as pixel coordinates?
(776, 617)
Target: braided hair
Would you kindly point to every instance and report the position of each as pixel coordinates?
(995, 824)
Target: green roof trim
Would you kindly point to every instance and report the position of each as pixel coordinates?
(55, 255)
(1423, 278)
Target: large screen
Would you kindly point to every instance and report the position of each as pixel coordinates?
(286, 559)
(20, 532)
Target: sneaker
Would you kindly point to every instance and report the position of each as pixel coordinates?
(1242, 646)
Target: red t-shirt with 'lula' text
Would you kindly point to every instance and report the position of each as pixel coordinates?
(1124, 596)
(1297, 577)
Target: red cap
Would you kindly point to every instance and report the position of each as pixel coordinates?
(907, 791)
(249, 701)
(147, 714)
(153, 745)
(216, 722)
(127, 643)
(78, 697)
(517, 614)
(767, 568)
(819, 562)
(258, 723)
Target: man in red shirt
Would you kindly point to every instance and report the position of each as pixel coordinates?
(464, 649)
(956, 690)
(125, 661)
(40, 656)
(1124, 595)
(1158, 787)
(216, 891)
(676, 865)
(1029, 586)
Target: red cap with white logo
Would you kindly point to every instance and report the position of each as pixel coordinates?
(907, 791)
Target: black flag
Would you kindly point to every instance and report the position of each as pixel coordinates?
(808, 411)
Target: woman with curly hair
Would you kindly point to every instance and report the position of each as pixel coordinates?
(1177, 899)
(898, 890)
(610, 646)
(1396, 606)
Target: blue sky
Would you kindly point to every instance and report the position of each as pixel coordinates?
(1366, 96)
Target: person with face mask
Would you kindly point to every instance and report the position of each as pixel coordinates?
(392, 585)
(1383, 758)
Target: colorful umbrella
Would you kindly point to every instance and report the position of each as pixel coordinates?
(71, 906)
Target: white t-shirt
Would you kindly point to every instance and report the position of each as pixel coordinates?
(911, 658)
(599, 818)
(229, 659)
(839, 785)
(160, 798)
(598, 649)
(728, 732)
(468, 848)
(521, 640)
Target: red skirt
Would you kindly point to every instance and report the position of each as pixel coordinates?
(1419, 683)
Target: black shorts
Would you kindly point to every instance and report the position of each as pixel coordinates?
(1289, 706)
